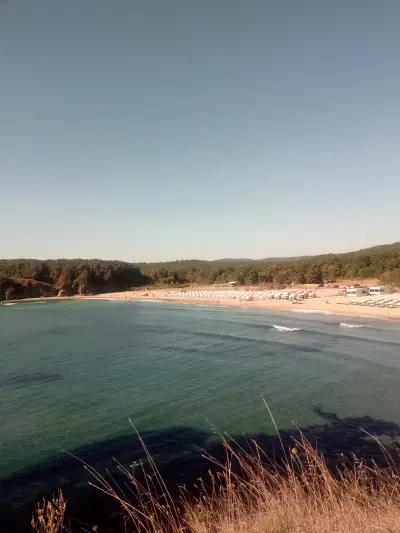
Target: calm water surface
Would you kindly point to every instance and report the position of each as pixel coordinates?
(73, 372)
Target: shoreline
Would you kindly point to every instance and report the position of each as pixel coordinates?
(320, 305)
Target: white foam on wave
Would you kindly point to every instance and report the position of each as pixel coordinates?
(150, 301)
(10, 303)
(285, 328)
(104, 299)
(350, 326)
(99, 298)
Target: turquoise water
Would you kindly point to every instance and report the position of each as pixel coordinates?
(73, 372)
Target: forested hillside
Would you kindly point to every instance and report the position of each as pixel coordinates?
(382, 262)
(22, 278)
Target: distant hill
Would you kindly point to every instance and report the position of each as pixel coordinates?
(22, 278)
(381, 262)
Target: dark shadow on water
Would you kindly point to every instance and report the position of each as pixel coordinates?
(22, 379)
(177, 451)
(172, 449)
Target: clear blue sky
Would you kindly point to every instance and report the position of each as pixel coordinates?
(155, 130)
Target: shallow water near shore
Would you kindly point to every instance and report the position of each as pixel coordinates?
(73, 373)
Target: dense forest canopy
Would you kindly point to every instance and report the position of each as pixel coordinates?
(382, 262)
(20, 278)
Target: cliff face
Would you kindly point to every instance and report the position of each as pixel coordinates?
(17, 288)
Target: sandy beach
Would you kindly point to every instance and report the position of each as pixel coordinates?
(323, 303)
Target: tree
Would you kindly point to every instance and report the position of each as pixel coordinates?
(314, 274)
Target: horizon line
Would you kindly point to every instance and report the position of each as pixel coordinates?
(270, 258)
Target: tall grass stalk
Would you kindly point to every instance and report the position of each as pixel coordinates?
(249, 493)
(49, 515)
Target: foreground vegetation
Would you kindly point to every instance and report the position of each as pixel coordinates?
(253, 494)
(22, 278)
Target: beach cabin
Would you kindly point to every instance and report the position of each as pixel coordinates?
(380, 289)
(357, 291)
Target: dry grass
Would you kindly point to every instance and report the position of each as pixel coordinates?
(49, 515)
(249, 493)
(303, 496)
(252, 494)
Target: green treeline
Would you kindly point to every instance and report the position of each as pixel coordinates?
(382, 262)
(22, 278)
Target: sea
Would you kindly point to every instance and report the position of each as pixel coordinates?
(79, 380)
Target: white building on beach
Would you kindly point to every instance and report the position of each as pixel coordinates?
(357, 291)
(380, 289)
